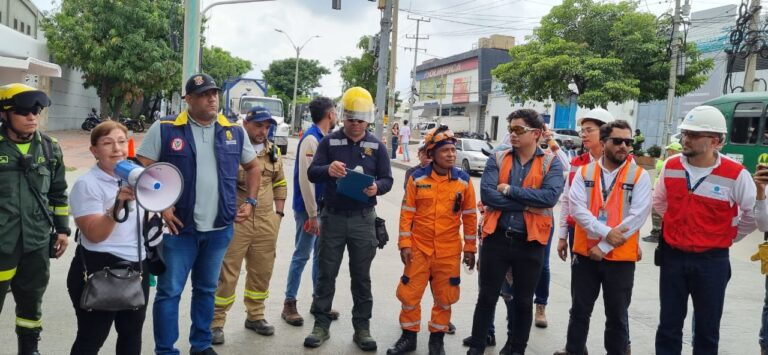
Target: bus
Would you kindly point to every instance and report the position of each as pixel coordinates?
(747, 137)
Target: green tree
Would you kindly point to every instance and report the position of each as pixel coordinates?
(610, 52)
(122, 47)
(221, 65)
(359, 71)
(280, 74)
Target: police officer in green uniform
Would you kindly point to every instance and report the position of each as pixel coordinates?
(27, 238)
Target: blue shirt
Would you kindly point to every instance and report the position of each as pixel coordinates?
(513, 204)
(369, 153)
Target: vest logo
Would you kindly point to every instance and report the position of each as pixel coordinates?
(368, 151)
(230, 140)
(40, 160)
(589, 183)
(177, 144)
(717, 191)
(3, 159)
(423, 186)
(229, 135)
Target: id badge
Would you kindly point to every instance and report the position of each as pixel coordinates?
(602, 216)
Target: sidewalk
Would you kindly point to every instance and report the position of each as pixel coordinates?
(76, 146)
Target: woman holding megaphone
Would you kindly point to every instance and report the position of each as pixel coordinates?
(105, 245)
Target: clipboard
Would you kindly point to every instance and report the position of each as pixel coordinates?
(353, 185)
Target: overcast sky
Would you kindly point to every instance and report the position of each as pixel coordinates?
(248, 30)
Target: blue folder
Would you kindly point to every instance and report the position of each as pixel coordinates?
(353, 185)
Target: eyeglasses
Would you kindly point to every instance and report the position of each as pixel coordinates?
(355, 121)
(23, 111)
(695, 135)
(110, 142)
(619, 141)
(585, 131)
(520, 130)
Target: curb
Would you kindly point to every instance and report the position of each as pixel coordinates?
(397, 164)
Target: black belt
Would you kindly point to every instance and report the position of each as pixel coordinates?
(362, 211)
(510, 234)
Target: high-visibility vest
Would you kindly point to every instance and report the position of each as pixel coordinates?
(703, 219)
(538, 225)
(617, 206)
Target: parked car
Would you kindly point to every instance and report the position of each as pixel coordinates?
(469, 154)
(562, 135)
(423, 127)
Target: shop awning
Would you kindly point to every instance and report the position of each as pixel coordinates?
(30, 65)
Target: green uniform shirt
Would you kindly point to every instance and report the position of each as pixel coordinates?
(21, 218)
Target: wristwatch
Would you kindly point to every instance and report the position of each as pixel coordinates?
(251, 201)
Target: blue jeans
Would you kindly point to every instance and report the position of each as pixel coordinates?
(703, 276)
(201, 253)
(305, 243)
(406, 155)
(394, 147)
(764, 325)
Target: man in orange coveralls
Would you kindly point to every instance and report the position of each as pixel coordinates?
(439, 198)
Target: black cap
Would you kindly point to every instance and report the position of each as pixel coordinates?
(199, 83)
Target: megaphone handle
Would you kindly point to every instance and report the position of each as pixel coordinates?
(117, 209)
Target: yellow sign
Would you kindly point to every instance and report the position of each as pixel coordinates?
(386, 120)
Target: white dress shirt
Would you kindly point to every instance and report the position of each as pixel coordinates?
(633, 220)
(743, 194)
(565, 205)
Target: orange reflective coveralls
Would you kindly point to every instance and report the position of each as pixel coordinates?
(433, 210)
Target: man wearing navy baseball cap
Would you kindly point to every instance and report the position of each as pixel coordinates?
(208, 150)
(256, 239)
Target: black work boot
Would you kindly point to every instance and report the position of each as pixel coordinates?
(406, 343)
(28, 344)
(436, 343)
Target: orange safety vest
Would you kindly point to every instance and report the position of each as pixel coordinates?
(538, 224)
(617, 206)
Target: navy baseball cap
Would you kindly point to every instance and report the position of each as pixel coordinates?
(259, 114)
(200, 83)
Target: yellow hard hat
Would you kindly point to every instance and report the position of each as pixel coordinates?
(23, 96)
(357, 104)
(437, 137)
(675, 146)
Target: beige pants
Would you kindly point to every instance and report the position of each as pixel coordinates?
(255, 242)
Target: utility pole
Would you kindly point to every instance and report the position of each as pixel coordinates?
(190, 57)
(751, 65)
(415, 49)
(392, 74)
(381, 80)
(675, 46)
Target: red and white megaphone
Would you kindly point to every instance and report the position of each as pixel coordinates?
(157, 187)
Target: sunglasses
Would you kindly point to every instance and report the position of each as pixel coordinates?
(24, 111)
(356, 121)
(619, 141)
(520, 130)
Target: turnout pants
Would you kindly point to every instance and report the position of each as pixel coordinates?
(354, 230)
(27, 275)
(444, 274)
(255, 240)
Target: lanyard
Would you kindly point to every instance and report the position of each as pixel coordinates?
(606, 192)
(688, 181)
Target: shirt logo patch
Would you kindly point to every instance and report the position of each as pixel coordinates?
(368, 151)
(3, 159)
(423, 186)
(717, 191)
(40, 160)
(177, 144)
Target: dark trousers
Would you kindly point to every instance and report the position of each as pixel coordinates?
(93, 326)
(28, 274)
(395, 145)
(354, 230)
(616, 279)
(703, 276)
(524, 258)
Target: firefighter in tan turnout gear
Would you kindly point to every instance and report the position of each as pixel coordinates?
(255, 239)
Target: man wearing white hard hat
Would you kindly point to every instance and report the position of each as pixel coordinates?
(706, 201)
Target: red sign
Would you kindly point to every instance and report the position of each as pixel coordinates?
(460, 90)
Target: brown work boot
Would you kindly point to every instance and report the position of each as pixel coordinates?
(540, 318)
(291, 314)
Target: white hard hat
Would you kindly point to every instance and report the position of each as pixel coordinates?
(704, 119)
(597, 114)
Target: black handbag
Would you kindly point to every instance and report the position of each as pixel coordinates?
(381, 232)
(114, 288)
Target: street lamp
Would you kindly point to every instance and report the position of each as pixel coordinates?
(296, 123)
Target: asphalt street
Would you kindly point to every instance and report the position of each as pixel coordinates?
(739, 328)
